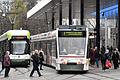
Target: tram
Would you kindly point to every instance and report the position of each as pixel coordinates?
(18, 43)
(65, 48)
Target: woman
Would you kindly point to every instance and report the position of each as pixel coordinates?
(7, 63)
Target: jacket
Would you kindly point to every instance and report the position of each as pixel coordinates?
(6, 61)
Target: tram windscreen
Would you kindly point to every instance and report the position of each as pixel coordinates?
(74, 44)
(19, 47)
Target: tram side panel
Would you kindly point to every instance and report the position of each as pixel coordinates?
(50, 52)
(49, 48)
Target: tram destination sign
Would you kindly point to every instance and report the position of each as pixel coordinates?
(19, 37)
(71, 33)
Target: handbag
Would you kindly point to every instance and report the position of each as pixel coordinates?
(108, 64)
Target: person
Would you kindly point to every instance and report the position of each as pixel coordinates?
(2, 60)
(92, 56)
(96, 52)
(115, 58)
(7, 63)
(41, 57)
(35, 60)
(103, 58)
(107, 58)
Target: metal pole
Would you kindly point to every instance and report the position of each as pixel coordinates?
(53, 17)
(82, 12)
(53, 20)
(119, 25)
(12, 25)
(60, 13)
(98, 24)
(70, 12)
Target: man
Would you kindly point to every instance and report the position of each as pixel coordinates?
(115, 58)
(41, 57)
(35, 60)
(96, 54)
(7, 63)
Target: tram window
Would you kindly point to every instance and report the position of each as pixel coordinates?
(19, 47)
(63, 52)
(72, 45)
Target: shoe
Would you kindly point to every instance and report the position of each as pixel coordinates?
(41, 69)
(6, 76)
(40, 75)
(31, 76)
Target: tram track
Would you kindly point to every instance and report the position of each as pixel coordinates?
(81, 75)
(21, 72)
(103, 76)
(94, 78)
(69, 77)
(89, 76)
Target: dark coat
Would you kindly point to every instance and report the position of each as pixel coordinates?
(97, 55)
(115, 56)
(41, 56)
(35, 60)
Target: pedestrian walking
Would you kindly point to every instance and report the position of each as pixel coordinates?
(115, 58)
(41, 57)
(7, 63)
(35, 60)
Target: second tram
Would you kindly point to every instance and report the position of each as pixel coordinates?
(18, 43)
(65, 48)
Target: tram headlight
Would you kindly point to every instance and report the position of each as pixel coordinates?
(26, 57)
(78, 62)
(63, 61)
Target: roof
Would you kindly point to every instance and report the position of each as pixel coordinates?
(10, 33)
(37, 7)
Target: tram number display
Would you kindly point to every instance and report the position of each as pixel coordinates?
(71, 34)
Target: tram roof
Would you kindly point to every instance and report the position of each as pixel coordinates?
(8, 35)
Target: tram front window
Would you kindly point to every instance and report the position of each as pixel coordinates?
(72, 45)
(19, 47)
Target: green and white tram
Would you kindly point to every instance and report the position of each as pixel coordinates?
(65, 48)
(18, 43)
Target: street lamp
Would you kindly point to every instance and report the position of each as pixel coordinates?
(12, 20)
(7, 6)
